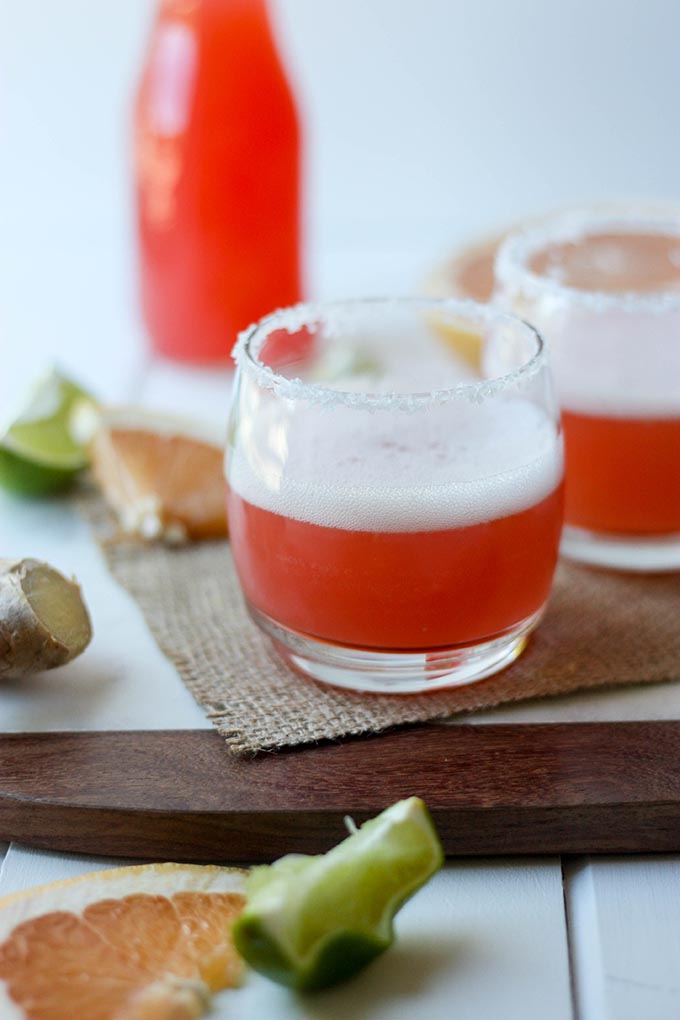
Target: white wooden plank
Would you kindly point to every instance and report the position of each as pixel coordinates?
(584, 940)
(624, 922)
(479, 942)
(24, 868)
(646, 701)
(482, 940)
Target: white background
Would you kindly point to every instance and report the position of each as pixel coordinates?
(426, 121)
(425, 117)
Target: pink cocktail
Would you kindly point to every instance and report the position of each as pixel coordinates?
(387, 534)
(604, 288)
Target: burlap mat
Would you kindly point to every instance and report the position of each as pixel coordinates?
(601, 629)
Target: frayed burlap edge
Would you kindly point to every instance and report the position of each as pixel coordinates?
(601, 629)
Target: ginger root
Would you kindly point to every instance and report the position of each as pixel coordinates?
(43, 619)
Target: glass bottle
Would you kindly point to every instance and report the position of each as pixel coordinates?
(217, 168)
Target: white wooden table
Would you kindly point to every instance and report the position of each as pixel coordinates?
(549, 939)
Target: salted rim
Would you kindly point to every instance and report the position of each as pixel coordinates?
(337, 315)
(511, 268)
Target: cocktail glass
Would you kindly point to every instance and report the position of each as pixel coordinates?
(395, 508)
(604, 289)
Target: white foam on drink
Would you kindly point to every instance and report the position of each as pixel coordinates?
(615, 352)
(456, 465)
(612, 363)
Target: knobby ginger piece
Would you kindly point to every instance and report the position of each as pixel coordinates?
(162, 477)
(43, 619)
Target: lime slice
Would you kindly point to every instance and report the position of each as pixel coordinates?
(38, 453)
(310, 922)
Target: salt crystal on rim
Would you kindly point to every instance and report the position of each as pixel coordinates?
(343, 319)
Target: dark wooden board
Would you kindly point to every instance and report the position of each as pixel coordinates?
(529, 789)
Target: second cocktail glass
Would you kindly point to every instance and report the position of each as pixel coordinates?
(604, 289)
(395, 508)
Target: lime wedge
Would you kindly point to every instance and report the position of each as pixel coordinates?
(310, 922)
(38, 453)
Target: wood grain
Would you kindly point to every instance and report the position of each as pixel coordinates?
(493, 790)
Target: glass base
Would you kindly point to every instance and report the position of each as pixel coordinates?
(642, 554)
(360, 669)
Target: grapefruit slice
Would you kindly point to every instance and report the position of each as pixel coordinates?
(150, 942)
(163, 476)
